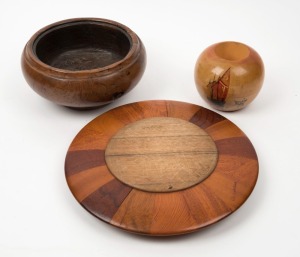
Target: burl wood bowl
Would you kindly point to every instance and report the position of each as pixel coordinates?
(83, 62)
(229, 75)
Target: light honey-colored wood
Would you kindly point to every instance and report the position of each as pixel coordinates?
(229, 75)
(161, 154)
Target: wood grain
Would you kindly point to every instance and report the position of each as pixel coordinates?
(160, 213)
(229, 75)
(205, 118)
(107, 199)
(161, 154)
(77, 161)
(86, 182)
(224, 129)
(84, 62)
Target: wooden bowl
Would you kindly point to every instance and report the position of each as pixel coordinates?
(83, 62)
(229, 75)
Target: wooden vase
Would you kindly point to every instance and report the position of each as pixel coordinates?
(229, 75)
(84, 62)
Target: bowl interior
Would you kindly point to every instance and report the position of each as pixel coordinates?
(82, 45)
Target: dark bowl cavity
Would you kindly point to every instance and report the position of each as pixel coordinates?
(82, 45)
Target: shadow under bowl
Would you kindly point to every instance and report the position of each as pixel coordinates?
(83, 62)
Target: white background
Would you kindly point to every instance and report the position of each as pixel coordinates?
(38, 214)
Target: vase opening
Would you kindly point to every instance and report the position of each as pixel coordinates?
(232, 51)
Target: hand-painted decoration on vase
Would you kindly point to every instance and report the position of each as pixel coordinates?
(241, 101)
(219, 88)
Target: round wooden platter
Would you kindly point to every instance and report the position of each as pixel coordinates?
(161, 168)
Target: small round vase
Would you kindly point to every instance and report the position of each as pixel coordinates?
(229, 75)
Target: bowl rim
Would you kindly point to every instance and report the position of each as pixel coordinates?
(132, 37)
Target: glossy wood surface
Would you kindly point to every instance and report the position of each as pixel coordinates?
(161, 213)
(83, 62)
(229, 75)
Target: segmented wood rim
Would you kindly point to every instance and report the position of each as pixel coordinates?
(161, 213)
